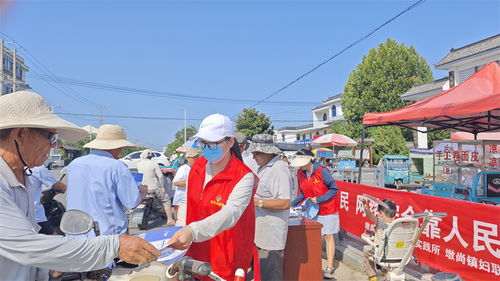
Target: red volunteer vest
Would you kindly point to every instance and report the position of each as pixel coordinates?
(314, 187)
(232, 248)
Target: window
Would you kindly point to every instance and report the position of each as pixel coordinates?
(324, 117)
(317, 133)
(298, 136)
(19, 72)
(6, 89)
(303, 136)
(136, 155)
(283, 137)
(7, 63)
(156, 154)
(334, 111)
(324, 132)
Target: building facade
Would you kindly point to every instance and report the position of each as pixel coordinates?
(460, 63)
(323, 116)
(12, 72)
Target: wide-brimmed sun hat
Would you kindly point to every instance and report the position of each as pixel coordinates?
(215, 127)
(263, 143)
(109, 137)
(192, 152)
(25, 109)
(300, 160)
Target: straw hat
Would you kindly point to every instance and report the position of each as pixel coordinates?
(109, 137)
(24, 109)
(263, 143)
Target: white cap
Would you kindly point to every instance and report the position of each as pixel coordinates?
(215, 127)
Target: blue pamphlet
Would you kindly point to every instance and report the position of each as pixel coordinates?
(159, 238)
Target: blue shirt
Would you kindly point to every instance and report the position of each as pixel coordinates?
(41, 176)
(103, 187)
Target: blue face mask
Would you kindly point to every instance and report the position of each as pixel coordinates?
(213, 155)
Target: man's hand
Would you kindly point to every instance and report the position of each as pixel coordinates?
(313, 199)
(136, 250)
(182, 239)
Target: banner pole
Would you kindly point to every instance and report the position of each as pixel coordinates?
(361, 154)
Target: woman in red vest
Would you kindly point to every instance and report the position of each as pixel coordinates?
(316, 183)
(220, 214)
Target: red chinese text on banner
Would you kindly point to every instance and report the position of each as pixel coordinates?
(466, 242)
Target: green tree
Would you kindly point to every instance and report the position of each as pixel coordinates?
(388, 140)
(250, 122)
(179, 139)
(378, 81)
(437, 135)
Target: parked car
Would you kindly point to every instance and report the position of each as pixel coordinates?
(54, 161)
(133, 158)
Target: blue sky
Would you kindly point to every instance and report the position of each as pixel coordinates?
(242, 50)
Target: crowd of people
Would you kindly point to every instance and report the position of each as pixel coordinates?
(232, 197)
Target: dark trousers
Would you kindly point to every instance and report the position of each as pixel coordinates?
(46, 228)
(271, 264)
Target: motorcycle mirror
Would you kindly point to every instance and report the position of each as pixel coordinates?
(76, 222)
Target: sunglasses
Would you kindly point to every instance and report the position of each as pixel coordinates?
(52, 137)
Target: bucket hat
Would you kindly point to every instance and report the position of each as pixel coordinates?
(192, 152)
(300, 160)
(215, 127)
(25, 109)
(263, 143)
(109, 137)
(241, 138)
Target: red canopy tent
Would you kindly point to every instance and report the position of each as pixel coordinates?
(472, 106)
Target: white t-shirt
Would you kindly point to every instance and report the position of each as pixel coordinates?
(180, 191)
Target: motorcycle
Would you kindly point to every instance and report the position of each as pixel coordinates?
(150, 211)
(54, 210)
(76, 222)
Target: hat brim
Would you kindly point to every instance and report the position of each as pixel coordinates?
(108, 144)
(300, 161)
(67, 130)
(263, 148)
(208, 136)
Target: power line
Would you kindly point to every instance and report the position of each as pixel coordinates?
(339, 53)
(162, 94)
(159, 118)
(53, 80)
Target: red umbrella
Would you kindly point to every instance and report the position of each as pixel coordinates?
(334, 139)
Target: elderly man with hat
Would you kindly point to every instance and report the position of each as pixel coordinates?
(101, 185)
(28, 129)
(153, 179)
(272, 204)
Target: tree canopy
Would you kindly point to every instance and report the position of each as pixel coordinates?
(378, 81)
(179, 139)
(376, 85)
(250, 122)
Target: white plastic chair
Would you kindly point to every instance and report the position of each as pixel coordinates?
(398, 242)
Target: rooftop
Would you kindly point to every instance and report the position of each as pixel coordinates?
(484, 45)
(296, 127)
(426, 87)
(327, 100)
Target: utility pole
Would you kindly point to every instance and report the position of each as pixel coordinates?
(100, 115)
(185, 125)
(14, 71)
